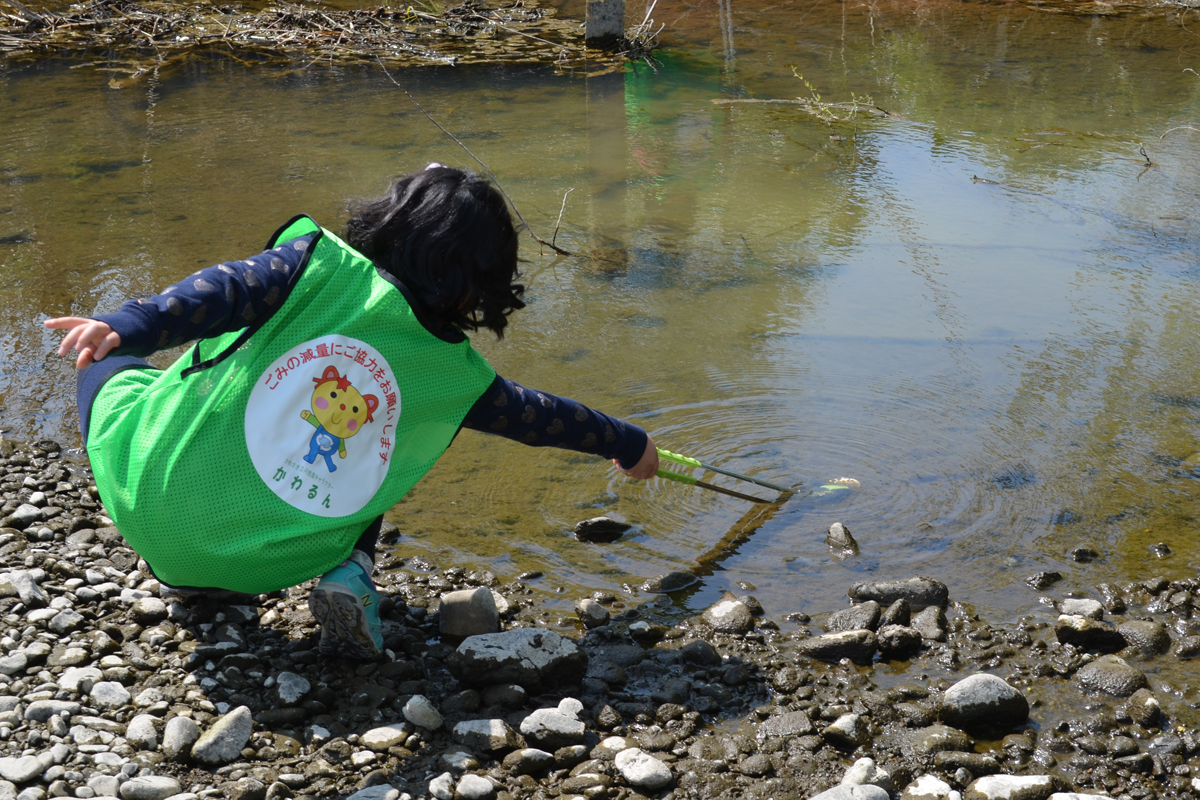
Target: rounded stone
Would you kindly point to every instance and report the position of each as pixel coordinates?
(223, 742)
(142, 732)
(1149, 637)
(473, 787)
(110, 694)
(729, 616)
(152, 787)
(1111, 675)
(179, 736)
(422, 713)
(984, 701)
(148, 610)
(642, 770)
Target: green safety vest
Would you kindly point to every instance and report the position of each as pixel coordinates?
(257, 460)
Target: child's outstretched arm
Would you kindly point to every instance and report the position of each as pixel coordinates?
(540, 419)
(90, 338)
(223, 298)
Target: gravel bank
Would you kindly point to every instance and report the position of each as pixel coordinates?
(109, 689)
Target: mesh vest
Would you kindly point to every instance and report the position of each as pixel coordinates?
(256, 460)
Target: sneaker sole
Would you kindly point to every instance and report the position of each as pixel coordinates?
(344, 631)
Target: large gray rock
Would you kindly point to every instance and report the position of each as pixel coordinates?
(468, 612)
(380, 739)
(529, 657)
(1012, 787)
(1092, 635)
(984, 702)
(729, 616)
(845, 791)
(151, 787)
(858, 646)
(486, 735)
(179, 736)
(552, 728)
(1111, 675)
(919, 592)
(642, 770)
(224, 741)
(864, 616)
(1149, 637)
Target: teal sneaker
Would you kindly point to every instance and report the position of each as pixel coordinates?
(346, 605)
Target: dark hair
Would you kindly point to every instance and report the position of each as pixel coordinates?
(446, 234)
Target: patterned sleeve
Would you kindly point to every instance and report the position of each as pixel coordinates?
(217, 300)
(540, 419)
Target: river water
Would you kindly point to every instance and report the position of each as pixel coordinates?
(982, 306)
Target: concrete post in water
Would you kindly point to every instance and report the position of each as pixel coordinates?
(607, 168)
(605, 22)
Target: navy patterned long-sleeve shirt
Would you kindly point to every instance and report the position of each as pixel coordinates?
(230, 296)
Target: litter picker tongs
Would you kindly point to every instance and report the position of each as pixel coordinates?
(676, 458)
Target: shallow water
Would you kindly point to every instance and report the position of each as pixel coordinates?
(1006, 364)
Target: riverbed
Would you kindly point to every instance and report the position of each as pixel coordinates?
(979, 305)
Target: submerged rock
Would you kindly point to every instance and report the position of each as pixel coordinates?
(919, 592)
(1043, 580)
(600, 529)
(840, 542)
(671, 582)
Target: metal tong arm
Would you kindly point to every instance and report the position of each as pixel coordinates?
(667, 455)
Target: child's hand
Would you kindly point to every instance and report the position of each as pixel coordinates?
(93, 340)
(647, 466)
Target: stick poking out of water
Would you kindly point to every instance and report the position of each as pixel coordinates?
(486, 168)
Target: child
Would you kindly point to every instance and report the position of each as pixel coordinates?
(328, 378)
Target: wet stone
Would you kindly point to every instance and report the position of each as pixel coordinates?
(592, 614)
(1149, 637)
(864, 616)
(864, 771)
(1085, 633)
(671, 582)
(919, 592)
(858, 646)
(840, 542)
(897, 641)
(1143, 708)
(700, 653)
(849, 731)
(898, 613)
(931, 624)
(929, 787)
(1082, 607)
(984, 701)
(600, 529)
(528, 761)
(1111, 675)
(528, 657)
(1043, 580)
(938, 738)
(974, 763)
(756, 766)
(729, 616)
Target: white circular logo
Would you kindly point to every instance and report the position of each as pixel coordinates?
(321, 422)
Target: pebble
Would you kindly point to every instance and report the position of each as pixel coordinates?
(473, 787)
(642, 770)
(422, 713)
(553, 728)
(864, 616)
(468, 612)
(865, 771)
(153, 787)
(848, 730)
(487, 735)
(530, 760)
(110, 694)
(291, 688)
(729, 616)
(142, 732)
(1082, 607)
(591, 613)
(858, 646)
(929, 787)
(1149, 637)
(442, 787)
(22, 769)
(671, 582)
(931, 624)
(840, 542)
(179, 736)
(1011, 787)
(843, 791)
(223, 742)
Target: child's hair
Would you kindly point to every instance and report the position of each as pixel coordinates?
(447, 235)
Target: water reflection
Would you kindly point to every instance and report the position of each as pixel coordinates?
(1004, 363)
